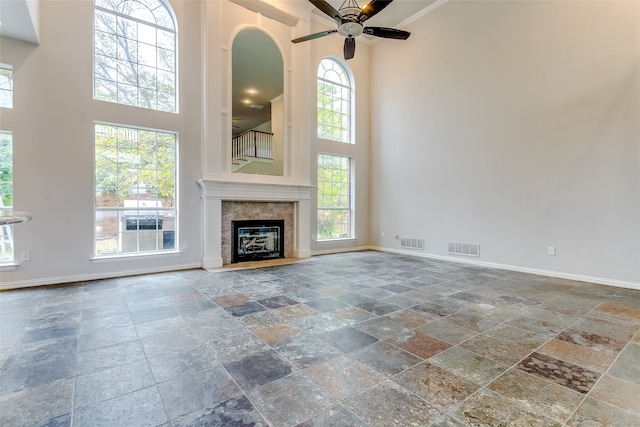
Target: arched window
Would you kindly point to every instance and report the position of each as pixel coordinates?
(135, 53)
(334, 101)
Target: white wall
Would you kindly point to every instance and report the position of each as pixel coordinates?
(515, 125)
(52, 124)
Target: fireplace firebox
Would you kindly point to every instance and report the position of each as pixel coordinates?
(255, 240)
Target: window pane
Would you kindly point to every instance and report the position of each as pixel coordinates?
(105, 22)
(147, 34)
(106, 44)
(6, 195)
(333, 224)
(166, 40)
(6, 87)
(127, 94)
(6, 169)
(135, 176)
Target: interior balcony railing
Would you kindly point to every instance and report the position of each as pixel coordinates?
(251, 143)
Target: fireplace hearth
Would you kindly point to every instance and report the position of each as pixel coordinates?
(255, 240)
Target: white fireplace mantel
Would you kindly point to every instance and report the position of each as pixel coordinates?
(214, 192)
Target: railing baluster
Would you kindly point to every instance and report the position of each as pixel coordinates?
(252, 143)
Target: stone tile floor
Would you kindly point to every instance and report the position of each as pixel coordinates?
(357, 339)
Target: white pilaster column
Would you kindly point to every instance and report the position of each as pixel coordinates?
(303, 233)
(212, 231)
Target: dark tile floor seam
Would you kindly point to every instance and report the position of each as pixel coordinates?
(337, 402)
(73, 390)
(370, 388)
(578, 406)
(255, 408)
(602, 376)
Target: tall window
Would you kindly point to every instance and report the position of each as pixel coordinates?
(334, 197)
(334, 101)
(135, 202)
(135, 53)
(6, 195)
(6, 86)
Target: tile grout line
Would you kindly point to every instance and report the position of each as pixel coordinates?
(587, 395)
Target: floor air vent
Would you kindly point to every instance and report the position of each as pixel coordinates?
(467, 249)
(408, 243)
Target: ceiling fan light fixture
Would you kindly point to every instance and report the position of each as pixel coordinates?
(350, 29)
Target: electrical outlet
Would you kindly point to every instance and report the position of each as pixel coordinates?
(25, 256)
(551, 250)
(383, 234)
(185, 245)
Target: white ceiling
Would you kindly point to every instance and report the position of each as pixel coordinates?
(19, 18)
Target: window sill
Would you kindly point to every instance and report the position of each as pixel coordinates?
(130, 257)
(8, 267)
(340, 239)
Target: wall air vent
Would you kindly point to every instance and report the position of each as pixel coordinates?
(467, 249)
(408, 243)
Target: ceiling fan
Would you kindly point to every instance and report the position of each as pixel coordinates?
(350, 19)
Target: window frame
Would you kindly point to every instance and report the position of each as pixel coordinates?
(6, 231)
(117, 76)
(346, 83)
(121, 209)
(348, 207)
(8, 69)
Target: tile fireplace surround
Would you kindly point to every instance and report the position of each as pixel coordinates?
(221, 199)
(260, 211)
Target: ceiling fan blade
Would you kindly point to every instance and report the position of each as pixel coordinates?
(349, 47)
(372, 8)
(387, 33)
(314, 36)
(328, 10)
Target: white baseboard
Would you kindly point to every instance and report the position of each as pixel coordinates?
(539, 272)
(87, 277)
(108, 275)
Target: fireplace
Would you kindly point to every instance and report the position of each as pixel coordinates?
(257, 240)
(227, 201)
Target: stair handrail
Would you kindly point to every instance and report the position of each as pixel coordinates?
(252, 143)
